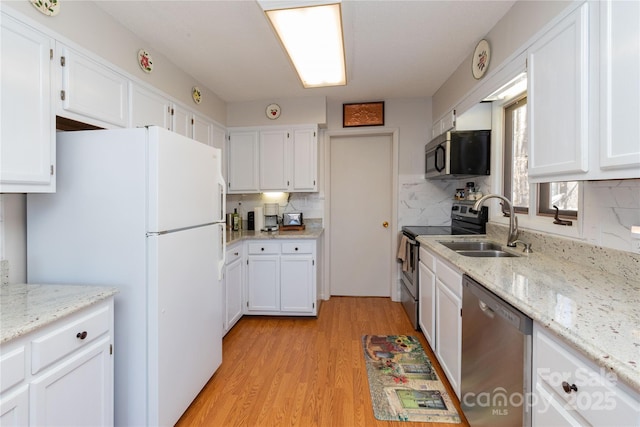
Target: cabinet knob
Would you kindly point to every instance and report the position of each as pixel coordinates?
(568, 387)
(81, 335)
(235, 254)
(296, 249)
(262, 249)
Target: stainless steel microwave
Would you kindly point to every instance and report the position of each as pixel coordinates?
(458, 154)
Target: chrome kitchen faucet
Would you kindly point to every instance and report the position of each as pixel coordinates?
(513, 221)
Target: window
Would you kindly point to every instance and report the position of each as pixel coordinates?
(564, 195)
(516, 162)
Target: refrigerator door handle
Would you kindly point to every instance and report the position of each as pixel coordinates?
(222, 253)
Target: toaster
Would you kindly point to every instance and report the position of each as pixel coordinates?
(292, 218)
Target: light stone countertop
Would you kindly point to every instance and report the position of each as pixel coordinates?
(311, 232)
(25, 308)
(594, 310)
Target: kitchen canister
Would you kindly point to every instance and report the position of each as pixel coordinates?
(258, 218)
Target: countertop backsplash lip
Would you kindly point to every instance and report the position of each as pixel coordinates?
(613, 261)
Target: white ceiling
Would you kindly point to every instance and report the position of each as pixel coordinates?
(394, 49)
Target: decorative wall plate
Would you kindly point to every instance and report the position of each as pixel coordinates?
(273, 111)
(48, 7)
(480, 60)
(196, 94)
(145, 61)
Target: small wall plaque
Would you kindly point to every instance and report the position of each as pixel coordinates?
(363, 114)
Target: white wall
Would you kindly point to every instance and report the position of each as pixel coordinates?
(13, 235)
(523, 20)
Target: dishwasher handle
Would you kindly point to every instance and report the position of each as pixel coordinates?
(488, 311)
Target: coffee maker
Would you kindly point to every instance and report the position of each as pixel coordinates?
(270, 217)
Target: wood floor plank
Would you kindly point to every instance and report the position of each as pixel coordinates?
(303, 372)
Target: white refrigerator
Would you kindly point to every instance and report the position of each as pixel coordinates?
(143, 210)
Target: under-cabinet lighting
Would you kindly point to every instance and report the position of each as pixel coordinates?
(273, 194)
(311, 34)
(515, 87)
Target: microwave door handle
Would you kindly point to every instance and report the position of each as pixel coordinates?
(438, 168)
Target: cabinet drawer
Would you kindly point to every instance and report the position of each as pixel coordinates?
(450, 277)
(264, 248)
(12, 368)
(427, 259)
(599, 398)
(233, 254)
(51, 347)
(297, 248)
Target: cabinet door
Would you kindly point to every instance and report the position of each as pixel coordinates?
(297, 283)
(274, 162)
(149, 108)
(620, 87)
(305, 160)
(233, 285)
(92, 90)
(557, 98)
(201, 129)
(427, 305)
(181, 121)
(242, 159)
(449, 333)
(14, 407)
(263, 282)
(77, 392)
(27, 156)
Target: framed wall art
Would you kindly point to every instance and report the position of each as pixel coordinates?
(363, 114)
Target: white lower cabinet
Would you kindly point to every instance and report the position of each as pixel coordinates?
(233, 286)
(281, 278)
(570, 390)
(449, 321)
(427, 295)
(61, 374)
(440, 313)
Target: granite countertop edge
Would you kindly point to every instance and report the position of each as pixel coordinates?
(575, 302)
(237, 236)
(28, 307)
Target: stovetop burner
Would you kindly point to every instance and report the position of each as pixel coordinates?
(464, 220)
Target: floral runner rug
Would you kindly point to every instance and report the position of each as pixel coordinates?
(403, 384)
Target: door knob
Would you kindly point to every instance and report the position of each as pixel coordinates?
(385, 224)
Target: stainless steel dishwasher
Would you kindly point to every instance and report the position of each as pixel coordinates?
(496, 359)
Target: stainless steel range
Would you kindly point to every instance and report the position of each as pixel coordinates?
(464, 220)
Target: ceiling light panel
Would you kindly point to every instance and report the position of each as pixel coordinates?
(312, 37)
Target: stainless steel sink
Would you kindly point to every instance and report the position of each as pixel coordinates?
(490, 253)
(478, 249)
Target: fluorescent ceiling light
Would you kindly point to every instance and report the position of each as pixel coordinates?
(312, 37)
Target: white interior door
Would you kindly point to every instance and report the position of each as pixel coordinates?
(360, 215)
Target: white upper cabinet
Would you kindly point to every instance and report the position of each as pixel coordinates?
(28, 127)
(242, 159)
(304, 164)
(149, 108)
(181, 121)
(274, 154)
(92, 90)
(620, 89)
(558, 98)
(287, 159)
(584, 95)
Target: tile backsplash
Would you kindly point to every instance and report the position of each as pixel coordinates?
(428, 202)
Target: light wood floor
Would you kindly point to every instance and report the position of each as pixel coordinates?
(301, 371)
